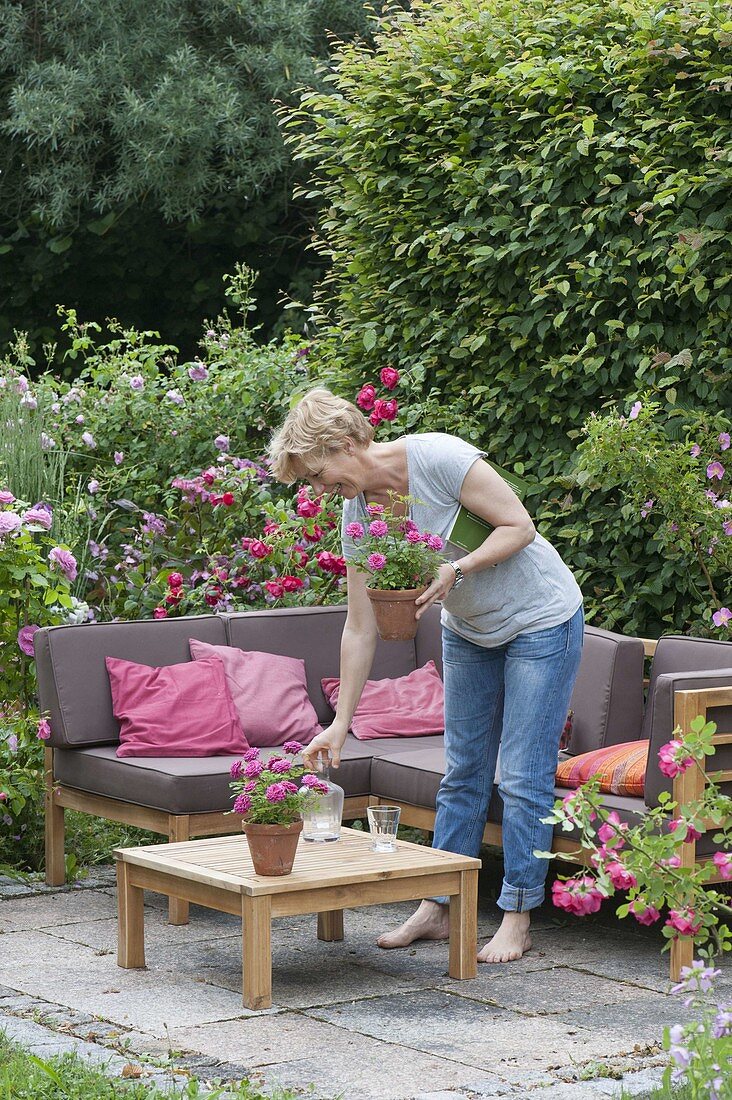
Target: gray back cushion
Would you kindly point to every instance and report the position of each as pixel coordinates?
(608, 694)
(73, 685)
(313, 634)
(675, 653)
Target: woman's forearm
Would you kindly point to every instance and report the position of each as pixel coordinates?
(357, 655)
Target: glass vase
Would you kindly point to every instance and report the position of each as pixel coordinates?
(321, 813)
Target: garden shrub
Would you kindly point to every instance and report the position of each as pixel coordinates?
(526, 210)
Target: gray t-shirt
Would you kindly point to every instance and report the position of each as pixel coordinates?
(532, 590)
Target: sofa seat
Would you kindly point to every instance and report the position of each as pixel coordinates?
(190, 785)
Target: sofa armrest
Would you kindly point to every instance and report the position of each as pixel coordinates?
(678, 697)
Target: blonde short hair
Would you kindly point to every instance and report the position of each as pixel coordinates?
(319, 424)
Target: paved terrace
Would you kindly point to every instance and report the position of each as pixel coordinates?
(582, 1015)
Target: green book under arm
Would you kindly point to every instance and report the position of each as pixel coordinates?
(468, 530)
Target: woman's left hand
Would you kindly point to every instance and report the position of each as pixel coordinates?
(438, 590)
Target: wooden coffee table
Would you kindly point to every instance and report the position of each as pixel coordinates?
(326, 879)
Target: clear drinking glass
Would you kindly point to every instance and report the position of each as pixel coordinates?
(383, 824)
(321, 813)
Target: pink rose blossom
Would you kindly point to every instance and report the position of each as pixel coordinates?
(386, 410)
(137, 382)
(198, 372)
(715, 469)
(88, 438)
(692, 833)
(643, 913)
(413, 536)
(38, 517)
(251, 754)
(25, 639)
(44, 730)
(6, 497)
(160, 613)
(434, 542)
(276, 792)
(308, 508)
(355, 530)
(259, 549)
(279, 766)
(236, 769)
(309, 780)
(577, 895)
(253, 768)
(389, 377)
(723, 862)
(612, 829)
(293, 747)
(620, 876)
(366, 397)
(683, 921)
(669, 762)
(275, 589)
(378, 528)
(221, 442)
(119, 457)
(242, 804)
(10, 522)
(376, 562)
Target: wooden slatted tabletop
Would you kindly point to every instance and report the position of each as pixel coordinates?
(217, 872)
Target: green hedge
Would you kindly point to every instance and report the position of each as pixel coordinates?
(527, 209)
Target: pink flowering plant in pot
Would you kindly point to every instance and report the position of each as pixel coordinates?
(269, 796)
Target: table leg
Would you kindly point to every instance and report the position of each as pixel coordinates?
(256, 960)
(131, 920)
(330, 925)
(464, 928)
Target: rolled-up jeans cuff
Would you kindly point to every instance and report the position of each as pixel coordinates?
(440, 901)
(517, 899)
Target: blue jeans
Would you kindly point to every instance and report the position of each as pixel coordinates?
(515, 696)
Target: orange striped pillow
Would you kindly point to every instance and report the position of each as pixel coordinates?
(622, 768)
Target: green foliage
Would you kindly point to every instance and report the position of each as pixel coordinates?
(526, 209)
(141, 154)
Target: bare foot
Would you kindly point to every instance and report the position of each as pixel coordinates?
(430, 922)
(511, 941)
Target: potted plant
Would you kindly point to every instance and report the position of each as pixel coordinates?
(402, 561)
(268, 795)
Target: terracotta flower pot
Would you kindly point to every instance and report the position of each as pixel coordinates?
(394, 612)
(273, 847)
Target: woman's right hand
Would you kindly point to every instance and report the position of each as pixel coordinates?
(325, 749)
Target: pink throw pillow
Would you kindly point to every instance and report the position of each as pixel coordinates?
(269, 692)
(411, 706)
(176, 710)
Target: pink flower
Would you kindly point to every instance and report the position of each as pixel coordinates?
(620, 876)
(633, 414)
(293, 747)
(390, 377)
(434, 542)
(221, 442)
(198, 372)
(331, 563)
(309, 780)
(366, 397)
(612, 829)
(160, 613)
(6, 497)
(137, 382)
(44, 730)
(276, 792)
(88, 438)
(315, 535)
(289, 786)
(724, 441)
(236, 769)
(65, 561)
(683, 921)
(175, 580)
(355, 530)
(577, 895)
(93, 486)
(643, 913)
(10, 522)
(691, 832)
(25, 639)
(727, 527)
(251, 754)
(308, 508)
(671, 861)
(375, 509)
(242, 804)
(119, 457)
(259, 549)
(646, 509)
(413, 536)
(38, 517)
(275, 589)
(386, 410)
(723, 862)
(715, 469)
(695, 450)
(253, 768)
(291, 584)
(374, 419)
(378, 528)
(376, 562)
(279, 766)
(669, 761)
(719, 618)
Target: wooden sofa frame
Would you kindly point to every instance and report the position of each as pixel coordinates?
(180, 827)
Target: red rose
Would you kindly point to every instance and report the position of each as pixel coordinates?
(308, 508)
(375, 419)
(259, 549)
(290, 583)
(175, 580)
(274, 588)
(270, 527)
(387, 410)
(160, 613)
(389, 377)
(316, 535)
(209, 476)
(211, 599)
(300, 558)
(174, 597)
(214, 499)
(227, 499)
(366, 397)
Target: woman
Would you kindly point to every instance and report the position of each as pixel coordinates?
(512, 628)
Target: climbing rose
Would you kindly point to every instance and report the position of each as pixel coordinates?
(354, 530)
(723, 862)
(577, 895)
(65, 560)
(88, 438)
(389, 377)
(197, 373)
(691, 832)
(644, 914)
(160, 613)
(386, 410)
(259, 549)
(620, 876)
(682, 920)
(38, 516)
(175, 580)
(668, 762)
(9, 523)
(308, 508)
(137, 382)
(366, 397)
(25, 639)
(44, 730)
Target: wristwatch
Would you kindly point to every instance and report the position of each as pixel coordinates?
(459, 575)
